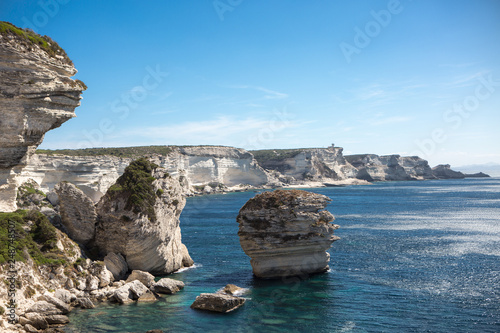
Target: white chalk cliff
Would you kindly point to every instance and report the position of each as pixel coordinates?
(37, 94)
(198, 166)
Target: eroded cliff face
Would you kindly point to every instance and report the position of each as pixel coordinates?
(317, 164)
(372, 167)
(286, 233)
(37, 94)
(195, 166)
(93, 175)
(211, 164)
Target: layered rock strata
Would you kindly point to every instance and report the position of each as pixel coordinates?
(138, 218)
(319, 164)
(77, 212)
(286, 233)
(372, 167)
(37, 94)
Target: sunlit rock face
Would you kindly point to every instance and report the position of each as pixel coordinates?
(286, 233)
(373, 167)
(142, 224)
(37, 94)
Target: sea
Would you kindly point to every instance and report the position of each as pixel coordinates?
(421, 256)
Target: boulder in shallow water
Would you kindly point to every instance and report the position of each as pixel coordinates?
(167, 286)
(217, 302)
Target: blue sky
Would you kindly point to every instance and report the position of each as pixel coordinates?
(384, 77)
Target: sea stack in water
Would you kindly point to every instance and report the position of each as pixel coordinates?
(139, 219)
(286, 233)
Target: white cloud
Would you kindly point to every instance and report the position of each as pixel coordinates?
(391, 120)
(223, 130)
(269, 94)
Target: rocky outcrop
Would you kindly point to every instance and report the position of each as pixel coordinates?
(217, 302)
(476, 175)
(313, 164)
(77, 211)
(372, 167)
(37, 94)
(167, 286)
(286, 233)
(139, 219)
(443, 171)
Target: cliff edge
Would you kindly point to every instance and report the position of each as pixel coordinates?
(37, 94)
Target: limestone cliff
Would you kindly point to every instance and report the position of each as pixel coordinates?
(319, 164)
(197, 167)
(37, 94)
(139, 219)
(372, 167)
(286, 233)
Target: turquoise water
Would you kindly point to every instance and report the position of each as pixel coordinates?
(413, 257)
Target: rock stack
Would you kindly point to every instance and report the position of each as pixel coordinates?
(286, 233)
(138, 218)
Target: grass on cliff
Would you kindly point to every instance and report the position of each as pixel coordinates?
(34, 237)
(275, 154)
(137, 183)
(29, 37)
(130, 152)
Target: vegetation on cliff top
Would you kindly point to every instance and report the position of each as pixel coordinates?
(279, 199)
(130, 152)
(137, 184)
(275, 154)
(29, 37)
(34, 237)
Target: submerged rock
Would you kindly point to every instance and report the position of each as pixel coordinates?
(217, 302)
(231, 289)
(286, 233)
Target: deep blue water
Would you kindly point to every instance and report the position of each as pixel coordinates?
(413, 257)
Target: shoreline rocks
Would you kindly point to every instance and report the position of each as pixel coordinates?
(222, 301)
(286, 233)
